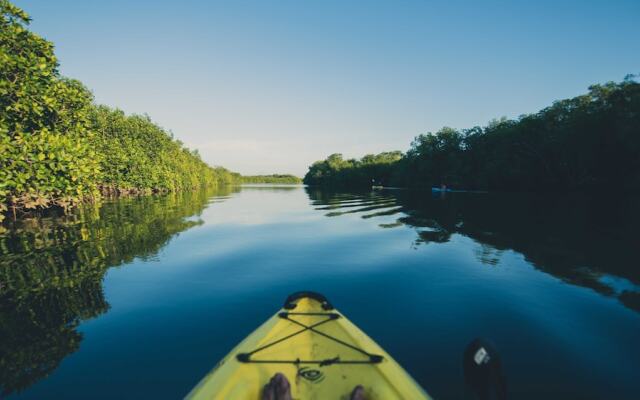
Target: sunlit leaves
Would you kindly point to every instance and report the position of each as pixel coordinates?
(57, 148)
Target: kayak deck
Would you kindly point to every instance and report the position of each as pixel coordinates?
(321, 353)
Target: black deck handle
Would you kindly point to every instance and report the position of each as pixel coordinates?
(289, 303)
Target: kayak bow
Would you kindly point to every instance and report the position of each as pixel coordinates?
(322, 354)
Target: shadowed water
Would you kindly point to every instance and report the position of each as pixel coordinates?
(550, 280)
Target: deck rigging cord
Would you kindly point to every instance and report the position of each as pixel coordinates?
(330, 316)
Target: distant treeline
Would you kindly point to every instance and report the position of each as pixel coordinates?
(274, 178)
(57, 148)
(587, 143)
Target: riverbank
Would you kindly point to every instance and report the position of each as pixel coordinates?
(588, 143)
(273, 178)
(59, 149)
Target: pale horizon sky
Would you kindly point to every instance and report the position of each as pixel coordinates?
(270, 87)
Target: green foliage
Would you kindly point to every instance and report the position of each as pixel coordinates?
(58, 149)
(45, 154)
(587, 143)
(370, 170)
(138, 155)
(274, 178)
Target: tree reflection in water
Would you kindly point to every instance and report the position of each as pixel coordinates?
(577, 238)
(51, 272)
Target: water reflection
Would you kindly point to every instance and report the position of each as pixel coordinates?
(51, 273)
(585, 241)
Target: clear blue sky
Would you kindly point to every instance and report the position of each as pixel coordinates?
(271, 86)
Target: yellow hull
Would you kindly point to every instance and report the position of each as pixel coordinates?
(326, 361)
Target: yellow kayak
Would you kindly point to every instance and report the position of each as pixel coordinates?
(319, 351)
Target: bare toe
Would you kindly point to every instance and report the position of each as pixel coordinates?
(268, 392)
(282, 387)
(358, 393)
(278, 388)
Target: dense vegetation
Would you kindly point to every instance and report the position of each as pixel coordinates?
(58, 148)
(586, 143)
(370, 170)
(274, 178)
(137, 154)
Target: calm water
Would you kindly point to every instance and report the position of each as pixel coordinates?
(141, 297)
